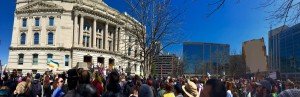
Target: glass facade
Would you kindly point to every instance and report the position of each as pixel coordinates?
(197, 54)
(290, 50)
(284, 51)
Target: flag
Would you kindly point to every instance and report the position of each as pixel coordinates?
(52, 64)
(208, 74)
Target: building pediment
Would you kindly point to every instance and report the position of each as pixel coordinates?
(40, 6)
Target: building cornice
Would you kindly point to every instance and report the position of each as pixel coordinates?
(39, 6)
(98, 14)
(75, 48)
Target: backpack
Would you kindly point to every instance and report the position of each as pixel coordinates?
(35, 88)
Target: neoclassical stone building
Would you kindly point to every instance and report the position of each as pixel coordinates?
(71, 31)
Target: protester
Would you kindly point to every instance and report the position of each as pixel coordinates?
(178, 90)
(47, 84)
(85, 88)
(190, 89)
(229, 87)
(36, 88)
(97, 83)
(290, 93)
(214, 88)
(161, 90)
(113, 86)
(57, 86)
(264, 89)
(134, 92)
(22, 89)
(169, 90)
(83, 82)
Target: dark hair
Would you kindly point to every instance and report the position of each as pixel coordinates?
(113, 82)
(218, 88)
(72, 79)
(178, 88)
(114, 77)
(168, 87)
(84, 77)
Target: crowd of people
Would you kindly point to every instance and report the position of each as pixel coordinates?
(82, 82)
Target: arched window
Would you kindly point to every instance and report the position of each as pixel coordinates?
(23, 38)
(36, 38)
(50, 38)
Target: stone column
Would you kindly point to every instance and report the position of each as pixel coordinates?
(81, 30)
(75, 42)
(29, 34)
(94, 33)
(105, 37)
(115, 39)
(118, 39)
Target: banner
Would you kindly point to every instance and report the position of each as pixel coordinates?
(273, 75)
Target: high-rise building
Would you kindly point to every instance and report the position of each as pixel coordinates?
(254, 52)
(284, 51)
(201, 58)
(166, 65)
(72, 31)
(274, 56)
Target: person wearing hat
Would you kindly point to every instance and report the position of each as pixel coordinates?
(263, 89)
(190, 89)
(36, 86)
(290, 93)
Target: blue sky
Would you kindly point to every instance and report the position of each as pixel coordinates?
(233, 24)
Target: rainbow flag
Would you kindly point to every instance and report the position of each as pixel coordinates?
(52, 64)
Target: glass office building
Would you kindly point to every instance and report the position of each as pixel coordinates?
(284, 51)
(198, 54)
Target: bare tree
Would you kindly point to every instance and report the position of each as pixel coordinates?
(159, 22)
(236, 65)
(285, 11)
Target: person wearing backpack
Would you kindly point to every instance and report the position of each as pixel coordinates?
(36, 87)
(23, 88)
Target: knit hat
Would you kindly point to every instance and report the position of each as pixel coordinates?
(266, 84)
(290, 93)
(37, 76)
(190, 89)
